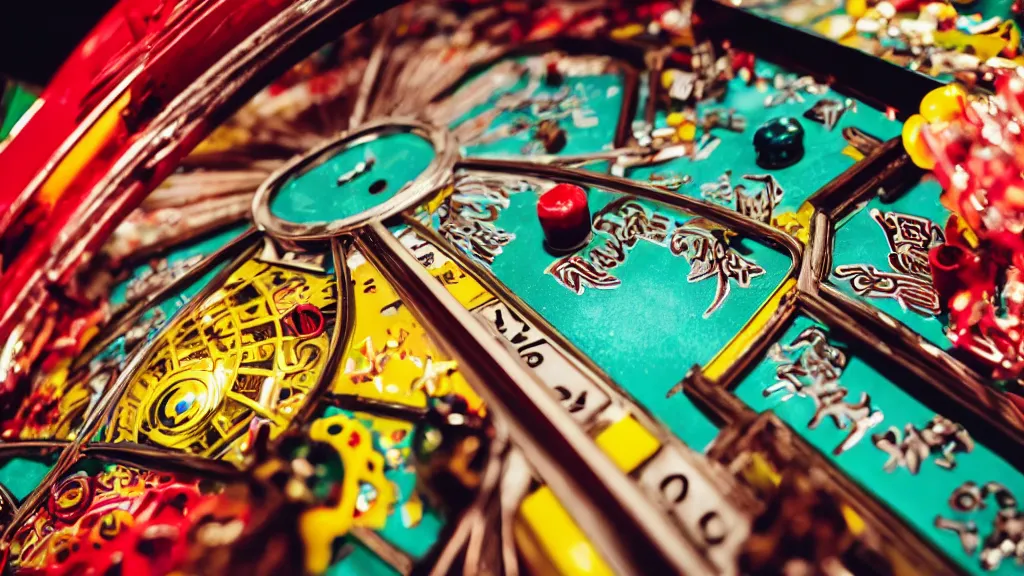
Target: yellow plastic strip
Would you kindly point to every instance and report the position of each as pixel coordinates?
(852, 152)
(83, 151)
(760, 474)
(551, 541)
(741, 343)
(853, 520)
(627, 443)
(434, 203)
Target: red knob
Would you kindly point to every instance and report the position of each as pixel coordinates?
(565, 218)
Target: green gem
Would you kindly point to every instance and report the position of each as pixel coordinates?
(779, 143)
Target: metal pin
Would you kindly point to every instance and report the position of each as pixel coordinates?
(360, 169)
(967, 531)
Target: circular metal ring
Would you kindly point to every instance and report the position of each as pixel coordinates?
(436, 175)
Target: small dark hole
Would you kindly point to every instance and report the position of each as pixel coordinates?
(378, 186)
(179, 502)
(279, 478)
(334, 429)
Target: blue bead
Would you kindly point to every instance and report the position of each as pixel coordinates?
(185, 403)
(779, 143)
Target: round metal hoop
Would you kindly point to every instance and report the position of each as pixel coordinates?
(436, 175)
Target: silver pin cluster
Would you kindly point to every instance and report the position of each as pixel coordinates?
(940, 437)
(1005, 539)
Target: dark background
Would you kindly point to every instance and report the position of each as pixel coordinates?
(37, 35)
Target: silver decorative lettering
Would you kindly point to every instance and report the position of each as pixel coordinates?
(940, 437)
(910, 282)
(1006, 534)
(468, 216)
(710, 257)
(810, 367)
(911, 292)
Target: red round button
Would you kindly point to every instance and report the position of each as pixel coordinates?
(564, 217)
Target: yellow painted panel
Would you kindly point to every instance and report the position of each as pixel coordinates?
(462, 286)
(239, 355)
(391, 357)
(741, 343)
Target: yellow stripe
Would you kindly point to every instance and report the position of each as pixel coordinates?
(741, 343)
(852, 152)
(83, 151)
(853, 520)
(551, 542)
(434, 203)
(760, 474)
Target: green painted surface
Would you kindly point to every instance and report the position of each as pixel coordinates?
(823, 157)
(649, 331)
(991, 9)
(419, 539)
(393, 160)
(643, 94)
(159, 314)
(15, 102)
(162, 311)
(21, 476)
(860, 240)
(188, 253)
(918, 499)
(597, 100)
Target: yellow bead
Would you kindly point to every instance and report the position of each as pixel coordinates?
(666, 79)
(943, 104)
(628, 31)
(853, 520)
(687, 131)
(856, 8)
(675, 119)
(761, 474)
(914, 144)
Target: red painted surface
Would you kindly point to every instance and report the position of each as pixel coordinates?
(167, 45)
